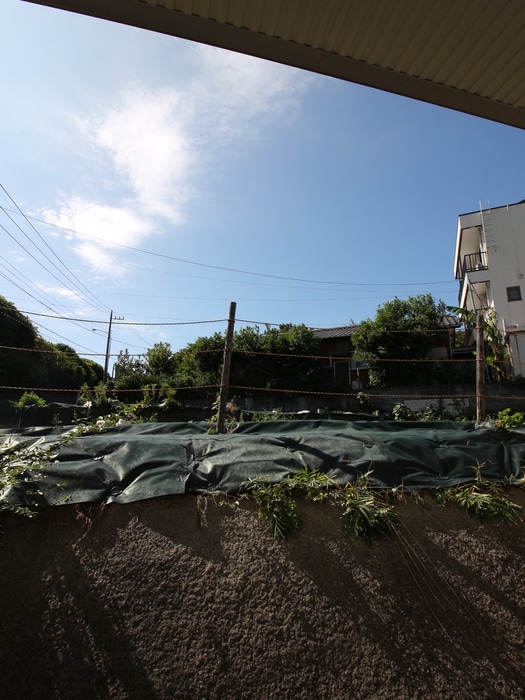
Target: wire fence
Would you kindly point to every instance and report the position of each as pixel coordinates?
(349, 395)
(331, 356)
(454, 391)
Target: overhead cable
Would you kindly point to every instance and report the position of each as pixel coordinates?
(76, 281)
(236, 270)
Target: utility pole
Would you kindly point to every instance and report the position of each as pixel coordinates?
(108, 344)
(225, 374)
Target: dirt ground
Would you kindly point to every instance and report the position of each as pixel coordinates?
(140, 601)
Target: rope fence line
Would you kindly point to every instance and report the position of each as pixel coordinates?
(360, 364)
(299, 392)
(349, 357)
(38, 388)
(74, 353)
(352, 393)
(249, 352)
(112, 391)
(52, 352)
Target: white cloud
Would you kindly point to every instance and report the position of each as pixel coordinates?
(69, 294)
(114, 224)
(108, 224)
(146, 137)
(159, 141)
(240, 94)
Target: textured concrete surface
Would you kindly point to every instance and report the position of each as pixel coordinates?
(140, 602)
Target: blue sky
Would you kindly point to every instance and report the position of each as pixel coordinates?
(175, 178)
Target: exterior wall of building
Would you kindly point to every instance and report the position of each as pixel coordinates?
(494, 241)
(516, 345)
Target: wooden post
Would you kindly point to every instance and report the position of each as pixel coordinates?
(225, 375)
(480, 369)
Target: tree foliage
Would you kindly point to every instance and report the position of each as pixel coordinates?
(129, 376)
(159, 362)
(496, 351)
(16, 331)
(27, 359)
(61, 367)
(273, 358)
(277, 358)
(403, 329)
(199, 363)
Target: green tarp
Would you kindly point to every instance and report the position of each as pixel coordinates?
(139, 461)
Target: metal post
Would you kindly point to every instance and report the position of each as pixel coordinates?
(480, 369)
(225, 374)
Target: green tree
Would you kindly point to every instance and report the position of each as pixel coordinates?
(273, 358)
(403, 329)
(199, 364)
(27, 359)
(278, 358)
(61, 367)
(16, 331)
(129, 375)
(159, 362)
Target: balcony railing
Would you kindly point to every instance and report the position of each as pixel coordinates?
(475, 261)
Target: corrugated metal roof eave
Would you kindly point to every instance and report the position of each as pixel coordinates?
(436, 51)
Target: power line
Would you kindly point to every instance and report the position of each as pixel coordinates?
(55, 313)
(263, 284)
(29, 283)
(31, 255)
(38, 262)
(23, 289)
(12, 315)
(77, 282)
(126, 323)
(232, 269)
(302, 299)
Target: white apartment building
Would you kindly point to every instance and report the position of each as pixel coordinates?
(490, 267)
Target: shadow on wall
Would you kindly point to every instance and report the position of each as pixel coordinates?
(139, 601)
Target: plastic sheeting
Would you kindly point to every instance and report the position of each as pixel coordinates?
(139, 461)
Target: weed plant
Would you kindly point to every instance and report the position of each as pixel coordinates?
(21, 465)
(276, 505)
(506, 420)
(364, 509)
(481, 499)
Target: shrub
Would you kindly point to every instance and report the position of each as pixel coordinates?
(29, 399)
(509, 421)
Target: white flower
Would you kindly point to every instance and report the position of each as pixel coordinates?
(88, 404)
(100, 423)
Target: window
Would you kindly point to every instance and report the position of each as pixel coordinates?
(513, 294)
